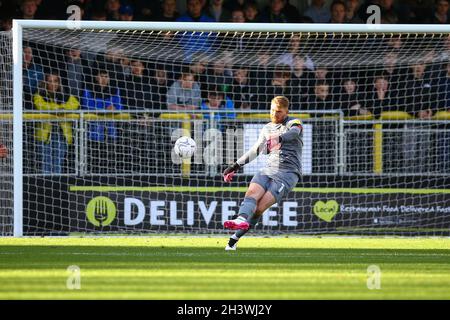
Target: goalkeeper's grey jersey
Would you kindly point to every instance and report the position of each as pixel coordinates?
(289, 156)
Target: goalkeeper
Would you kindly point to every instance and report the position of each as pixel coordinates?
(282, 140)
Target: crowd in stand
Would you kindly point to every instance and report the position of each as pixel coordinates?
(114, 81)
(276, 11)
(149, 85)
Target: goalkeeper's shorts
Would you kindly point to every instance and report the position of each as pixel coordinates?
(278, 184)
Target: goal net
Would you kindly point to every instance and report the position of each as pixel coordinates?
(103, 105)
(6, 96)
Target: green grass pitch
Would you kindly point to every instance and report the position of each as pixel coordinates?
(177, 267)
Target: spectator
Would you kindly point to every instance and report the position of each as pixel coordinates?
(126, 13)
(146, 10)
(295, 48)
(138, 93)
(393, 72)
(198, 68)
(351, 14)
(321, 99)
(6, 24)
(380, 98)
(112, 8)
(444, 89)
(351, 104)
(169, 11)
(419, 97)
(217, 101)
(113, 62)
(434, 65)
(236, 42)
(337, 12)
(274, 13)
(350, 100)
(194, 13)
(102, 95)
(54, 138)
(388, 12)
(440, 12)
(228, 59)
(395, 43)
(251, 11)
(218, 12)
(278, 85)
(28, 9)
(419, 101)
(444, 54)
(194, 42)
(159, 82)
(218, 74)
(260, 72)
(75, 71)
(322, 74)
(318, 12)
(32, 75)
(237, 16)
(291, 12)
(300, 80)
(125, 63)
(184, 94)
(38, 4)
(145, 94)
(242, 93)
(139, 97)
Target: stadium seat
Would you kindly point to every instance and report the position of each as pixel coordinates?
(396, 115)
(442, 115)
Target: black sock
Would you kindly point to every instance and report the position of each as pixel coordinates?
(232, 242)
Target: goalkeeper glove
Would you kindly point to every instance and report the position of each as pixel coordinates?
(229, 172)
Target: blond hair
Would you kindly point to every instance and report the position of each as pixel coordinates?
(281, 101)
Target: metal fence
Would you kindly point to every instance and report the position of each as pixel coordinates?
(138, 144)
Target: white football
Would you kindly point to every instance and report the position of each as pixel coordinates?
(185, 147)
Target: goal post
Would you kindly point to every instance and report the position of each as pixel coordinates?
(354, 181)
(18, 128)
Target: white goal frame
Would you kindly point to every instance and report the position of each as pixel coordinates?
(19, 25)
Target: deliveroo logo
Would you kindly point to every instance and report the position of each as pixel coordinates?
(101, 211)
(326, 210)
